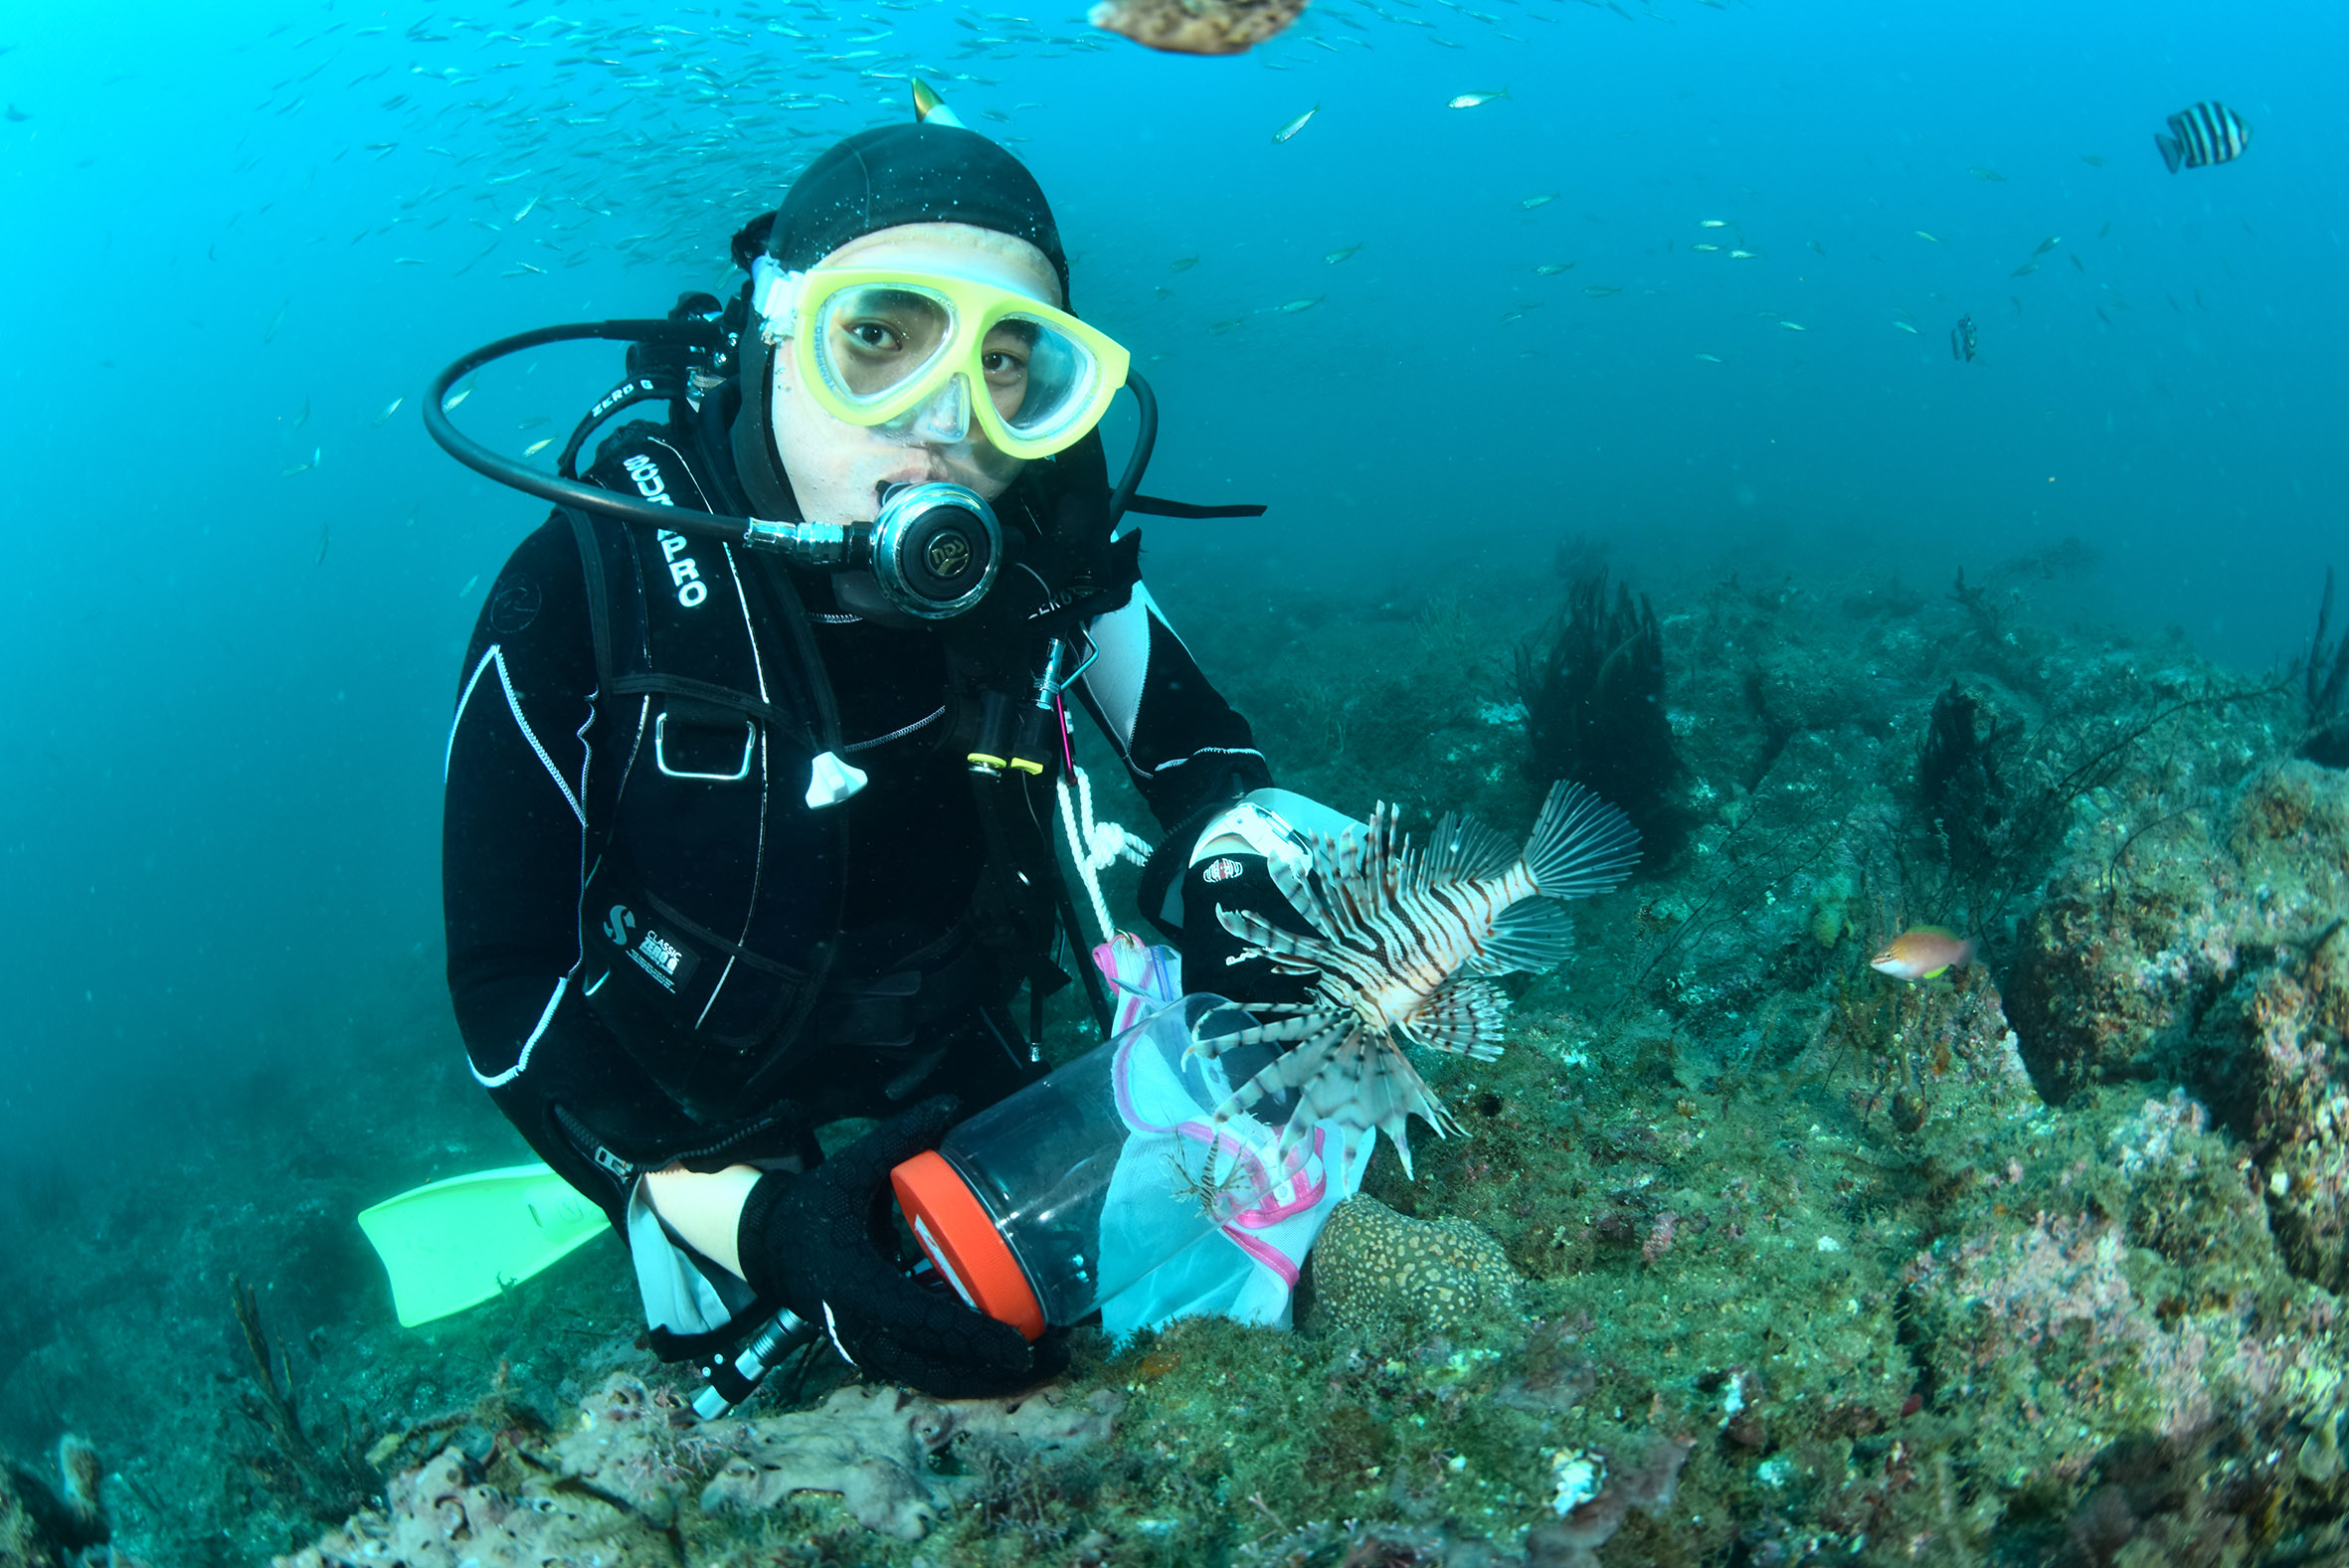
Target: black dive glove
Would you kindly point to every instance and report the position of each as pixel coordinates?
(1236, 882)
(813, 1243)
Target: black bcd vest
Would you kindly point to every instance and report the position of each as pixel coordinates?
(711, 913)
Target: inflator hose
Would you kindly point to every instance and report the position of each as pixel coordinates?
(627, 508)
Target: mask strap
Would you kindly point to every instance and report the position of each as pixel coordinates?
(772, 291)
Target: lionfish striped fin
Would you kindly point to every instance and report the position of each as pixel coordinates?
(1289, 953)
(1466, 850)
(1532, 935)
(1582, 844)
(1465, 1017)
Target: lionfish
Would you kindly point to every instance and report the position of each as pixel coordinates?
(1403, 943)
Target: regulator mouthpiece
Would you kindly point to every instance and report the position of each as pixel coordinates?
(936, 548)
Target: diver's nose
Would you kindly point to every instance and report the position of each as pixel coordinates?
(944, 416)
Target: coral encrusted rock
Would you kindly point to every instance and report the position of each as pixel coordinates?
(438, 1516)
(1390, 1278)
(870, 1446)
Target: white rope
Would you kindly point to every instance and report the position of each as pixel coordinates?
(1095, 846)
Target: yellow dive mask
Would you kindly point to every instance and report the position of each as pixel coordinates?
(934, 352)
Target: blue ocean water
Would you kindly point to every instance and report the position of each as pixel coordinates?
(238, 233)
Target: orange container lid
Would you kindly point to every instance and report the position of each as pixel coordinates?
(962, 1243)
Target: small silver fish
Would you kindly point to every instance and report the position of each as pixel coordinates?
(1794, 326)
(457, 397)
(1905, 327)
(1531, 202)
(1402, 947)
(535, 447)
(1705, 248)
(1182, 263)
(1921, 235)
(1335, 256)
(1712, 223)
(1745, 255)
(1710, 359)
(1296, 125)
(1471, 100)
(1553, 268)
(391, 408)
(1601, 291)
(2048, 243)
(1294, 305)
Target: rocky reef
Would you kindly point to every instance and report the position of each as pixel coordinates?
(1750, 1255)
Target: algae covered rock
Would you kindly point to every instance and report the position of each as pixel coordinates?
(1390, 1278)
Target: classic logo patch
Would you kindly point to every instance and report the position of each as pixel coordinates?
(1221, 869)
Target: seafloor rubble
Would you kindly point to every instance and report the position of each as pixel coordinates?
(1751, 1255)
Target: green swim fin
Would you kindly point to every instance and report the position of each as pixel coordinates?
(453, 1243)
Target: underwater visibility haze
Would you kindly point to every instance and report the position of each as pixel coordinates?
(1892, 453)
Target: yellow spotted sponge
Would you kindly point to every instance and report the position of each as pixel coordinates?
(1393, 1278)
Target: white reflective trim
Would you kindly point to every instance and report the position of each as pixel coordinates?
(528, 1046)
(472, 682)
(514, 701)
(1118, 676)
(1207, 750)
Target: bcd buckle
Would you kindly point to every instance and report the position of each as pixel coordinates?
(750, 744)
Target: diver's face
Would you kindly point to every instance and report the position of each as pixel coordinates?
(837, 468)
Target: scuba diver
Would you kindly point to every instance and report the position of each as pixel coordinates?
(750, 780)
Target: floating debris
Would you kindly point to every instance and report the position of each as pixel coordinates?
(1197, 26)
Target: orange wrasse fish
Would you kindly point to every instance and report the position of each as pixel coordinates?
(1924, 952)
(1403, 941)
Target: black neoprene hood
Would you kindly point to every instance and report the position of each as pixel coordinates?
(910, 174)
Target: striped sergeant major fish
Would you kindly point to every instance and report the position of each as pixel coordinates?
(2200, 136)
(1402, 944)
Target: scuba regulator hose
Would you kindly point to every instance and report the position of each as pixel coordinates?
(811, 544)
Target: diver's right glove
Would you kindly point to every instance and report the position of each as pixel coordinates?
(812, 1242)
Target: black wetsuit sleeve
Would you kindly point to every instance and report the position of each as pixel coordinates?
(1186, 748)
(524, 778)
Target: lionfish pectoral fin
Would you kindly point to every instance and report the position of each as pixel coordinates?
(1465, 1016)
(1582, 844)
(1532, 935)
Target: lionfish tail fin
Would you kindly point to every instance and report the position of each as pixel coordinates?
(1582, 844)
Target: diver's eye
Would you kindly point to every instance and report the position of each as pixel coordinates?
(1004, 368)
(874, 337)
